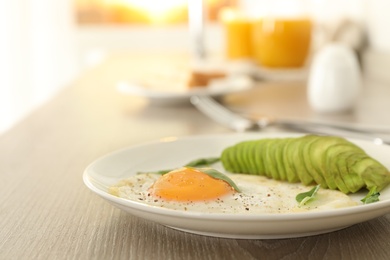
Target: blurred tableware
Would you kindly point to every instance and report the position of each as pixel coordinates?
(164, 95)
(334, 80)
(278, 74)
(196, 20)
(241, 123)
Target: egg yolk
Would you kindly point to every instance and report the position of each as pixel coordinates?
(188, 184)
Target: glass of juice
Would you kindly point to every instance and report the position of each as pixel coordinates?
(281, 38)
(238, 34)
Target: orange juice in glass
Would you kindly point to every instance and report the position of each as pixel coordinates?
(238, 34)
(281, 42)
(282, 33)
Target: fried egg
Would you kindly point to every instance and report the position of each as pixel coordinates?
(190, 189)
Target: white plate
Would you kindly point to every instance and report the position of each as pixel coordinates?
(174, 152)
(216, 88)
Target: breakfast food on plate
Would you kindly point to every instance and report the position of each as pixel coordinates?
(175, 77)
(203, 78)
(272, 175)
(332, 162)
(191, 184)
(207, 190)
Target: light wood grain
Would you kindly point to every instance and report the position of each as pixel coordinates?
(46, 212)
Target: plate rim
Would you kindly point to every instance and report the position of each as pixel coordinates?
(124, 86)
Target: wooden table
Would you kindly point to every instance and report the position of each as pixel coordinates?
(46, 212)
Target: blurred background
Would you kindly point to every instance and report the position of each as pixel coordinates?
(46, 44)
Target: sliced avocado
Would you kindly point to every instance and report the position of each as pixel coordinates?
(337, 156)
(245, 153)
(231, 160)
(341, 164)
(351, 179)
(269, 162)
(296, 158)
(267, 168)
(234, 162)
(275, 152)
(329, 168)
(311, 165)
(239, 154)
(370, 172)
(289, 168)
(376, 175)
(333, 162)
(250, 157)
(278, 151)
(318, 154)
(226, 161)
(259, 154)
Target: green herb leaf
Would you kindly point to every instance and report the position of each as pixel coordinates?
(195, 163)
(304, 197)
(203, 162)
(219, 175)
(372, 196)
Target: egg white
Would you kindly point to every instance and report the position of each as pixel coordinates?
(258, 195)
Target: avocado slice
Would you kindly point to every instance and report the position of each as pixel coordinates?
(357, 163)
(239, 155)
(311, 165)
(269, 160)
(258, 151)
(350, 178)
(267, 167)
(318, 155)
(226, 161)
(328, 164)
(231, 160)
(342, 170)
(296, 159)
(371, 173)
(280, 144)
(275, 149)
(376, 175)
(289, 168)
(250, 157)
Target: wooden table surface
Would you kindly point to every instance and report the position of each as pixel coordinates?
(46, 211)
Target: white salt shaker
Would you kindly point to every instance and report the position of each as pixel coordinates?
(334, 81)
